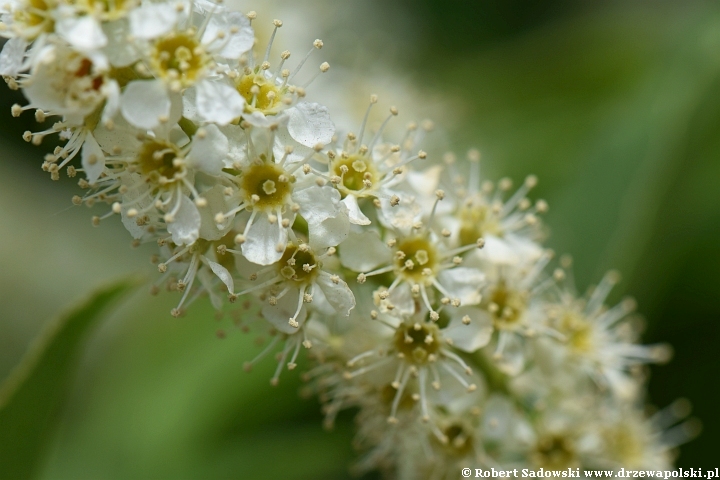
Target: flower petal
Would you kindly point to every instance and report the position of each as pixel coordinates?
(262, 242)
(229, 34)
(144, 102)
(223, 274)
(152, 20)
(209, 150)
(337, 293)
(472, 336)
(356, 215)
(218, 102)
(310, 124)
(279, 315)
(463, 283)
(83, 33)
(185, 226)
(216, 203)
(362, 252)
(93, 159)
(12, 56)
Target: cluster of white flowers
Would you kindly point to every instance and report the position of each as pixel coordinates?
(422, 294)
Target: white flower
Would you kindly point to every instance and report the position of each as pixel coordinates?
(274, 190)
(65, 82)
(421, 261)
(415, 350)
(299, 278)
(511, 227)
(601, 342)
(181, 55)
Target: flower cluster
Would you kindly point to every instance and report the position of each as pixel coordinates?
(423, 295)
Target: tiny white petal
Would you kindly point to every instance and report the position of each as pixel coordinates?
(318, 203)
(223, 274)
(218, 102)
(186, 224)
(111, 89)
(216, 203)
(152, 20)
(310, 124)
(93, 159)
(262, 241)
(144, 102)
(83, 33)
(356, 215)
(231, 45)
(463, 283)
(279, 314)
(12, 56)
(470, 337)
(337, 294)
(362, 252)
(209, 151)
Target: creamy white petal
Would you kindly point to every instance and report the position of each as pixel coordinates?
(498, 251)
(229, 34)
(262, 242)
(512, 359)
(218, 102)
(329, 233)
(363, 252)
(257, 119)
(83, 33)
(318, 203)
(326, 216)
(209, 150)
(119, 52)
(337, 294)
(280, 314)
(402, 299)
(216, 203)
(186, 226)
(152, 20)
(144, 102)
(425, 182)
(356, 215)
(111, 89)
(283, 140)
(238, 147)
(12, 56)
(93, 159)
(310, 124)
(463, 283)
(472, 336)
(122, 137)
(223, 274)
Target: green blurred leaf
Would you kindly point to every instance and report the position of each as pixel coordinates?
(31, 398)
(159, 397)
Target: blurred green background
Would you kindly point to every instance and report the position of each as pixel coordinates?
(615, 105)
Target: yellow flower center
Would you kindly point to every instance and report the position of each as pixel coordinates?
(298, 265)
(416, 259)
(554, 452)
(34, 17)
(260, 93)
(156, 161)
(459, 440)
(357, 173)
(417, 342)
(506, 305)
(179, 57)
(477, 220)
(266, 186)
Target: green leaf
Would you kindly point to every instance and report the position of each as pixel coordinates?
(32, 397)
